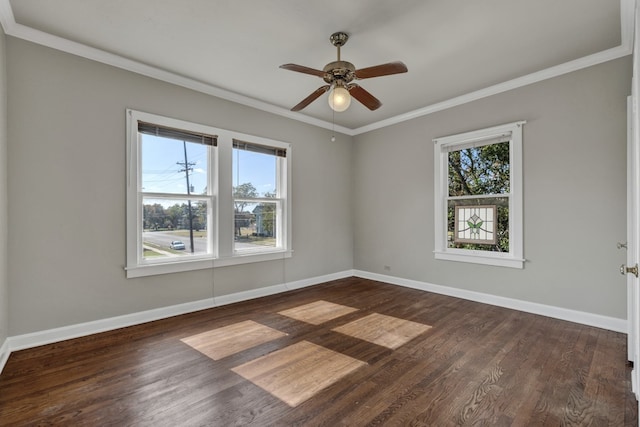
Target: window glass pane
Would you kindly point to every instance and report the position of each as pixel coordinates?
(479, 224)
(254, 174)
(167, 164)
(169, 230)
(481, 170)
(255, 225)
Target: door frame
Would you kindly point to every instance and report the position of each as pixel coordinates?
(633, 213)
(633, 241)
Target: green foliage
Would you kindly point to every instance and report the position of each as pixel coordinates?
(176, 217)
(244, 191)
(268, 215)
(243, 219)
(481, 171)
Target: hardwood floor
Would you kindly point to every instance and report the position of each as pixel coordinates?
(464, 363)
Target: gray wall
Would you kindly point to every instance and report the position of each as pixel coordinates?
(67, 192)
(361, 202)
(574, 193)
(4, 284)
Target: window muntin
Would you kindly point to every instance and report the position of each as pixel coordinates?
(162, 153)
(478, 206)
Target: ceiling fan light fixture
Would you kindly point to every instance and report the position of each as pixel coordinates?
(339, 76)
(339, 99)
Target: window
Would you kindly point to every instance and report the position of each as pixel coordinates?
(184, 209)
(258, 192)
(478, 196)
(175, 192)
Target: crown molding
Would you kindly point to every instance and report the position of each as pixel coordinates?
(567, 67)
(627, 23)
(12, 28)
(7, 20)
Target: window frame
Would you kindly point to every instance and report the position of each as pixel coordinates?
(442, 146)
(220, 221)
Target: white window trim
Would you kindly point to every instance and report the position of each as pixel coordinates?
(515, 257)
(221, 218)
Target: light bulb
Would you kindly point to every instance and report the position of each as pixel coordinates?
(339, 99)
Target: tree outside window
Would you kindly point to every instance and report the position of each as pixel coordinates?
(477, 172)
(478, 196)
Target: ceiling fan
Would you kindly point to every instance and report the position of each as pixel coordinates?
(339, 76)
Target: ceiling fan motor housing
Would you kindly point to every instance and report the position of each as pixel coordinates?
(339, 71)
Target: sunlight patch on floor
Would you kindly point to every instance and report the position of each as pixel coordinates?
(232, 339)
(298, 372)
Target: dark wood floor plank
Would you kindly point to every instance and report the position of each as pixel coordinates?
(605, 372)
(417, 397)
(477, 365)
(522, 365)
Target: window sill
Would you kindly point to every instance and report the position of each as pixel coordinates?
(478, 258)
(143, 270)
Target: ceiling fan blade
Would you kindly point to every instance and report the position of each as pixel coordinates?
(303, 69)
(309, 99)
(381, 70)
(364, 97)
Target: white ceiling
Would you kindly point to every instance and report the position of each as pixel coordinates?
(456, 50)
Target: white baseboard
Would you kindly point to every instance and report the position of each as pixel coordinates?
(34, 339)
(276, 289)
(49, 336)
(589, 319)
(4, 353)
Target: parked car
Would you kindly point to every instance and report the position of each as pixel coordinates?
(177, 245)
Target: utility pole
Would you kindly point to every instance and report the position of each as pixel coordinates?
(188, 167)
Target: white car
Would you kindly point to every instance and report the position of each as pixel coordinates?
(177, 245)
